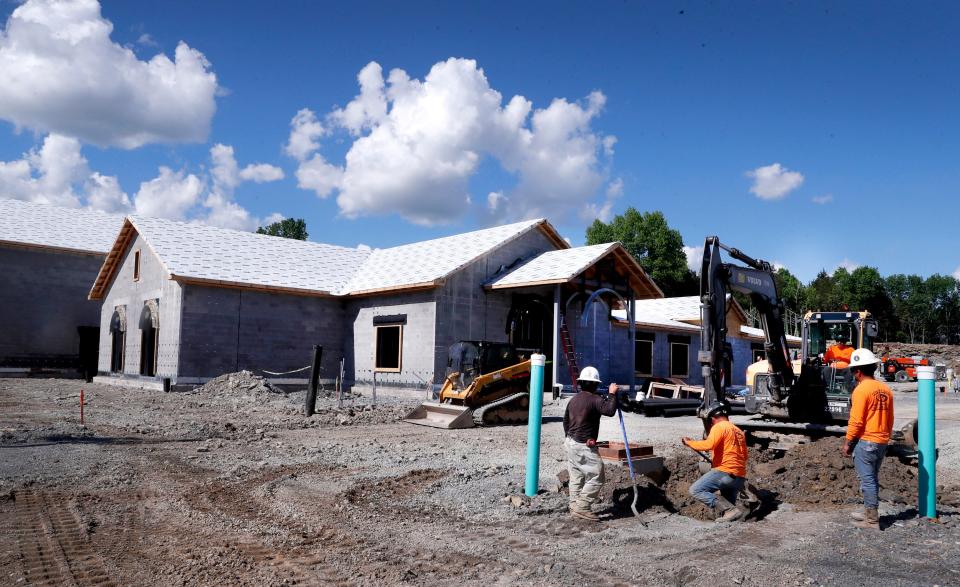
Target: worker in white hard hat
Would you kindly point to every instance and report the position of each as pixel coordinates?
(581, 424)
(868, 432)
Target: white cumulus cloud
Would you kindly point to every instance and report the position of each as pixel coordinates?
(694, 257)
(416, 144)
(227, 176)
(847, 264)
(61, 73)
(169, 195)
(774, 181)
(956, 273)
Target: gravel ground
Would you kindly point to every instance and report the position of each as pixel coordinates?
(232, 485)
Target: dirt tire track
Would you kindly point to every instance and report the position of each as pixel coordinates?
(54, 549)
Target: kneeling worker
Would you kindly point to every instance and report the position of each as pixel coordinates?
(728, 475)
(581, 424)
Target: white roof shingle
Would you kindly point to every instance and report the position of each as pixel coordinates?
(196, 251)
(553, 266)
(428, 261)
(41, 225)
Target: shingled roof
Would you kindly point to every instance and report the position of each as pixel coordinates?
(33, 225)
(195, 253)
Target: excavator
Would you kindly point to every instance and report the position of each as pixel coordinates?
(487, 384)
(805, 396)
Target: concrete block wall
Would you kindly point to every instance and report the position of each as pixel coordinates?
(43, 299)
(154, 283)
(417, 365)
(466, 311)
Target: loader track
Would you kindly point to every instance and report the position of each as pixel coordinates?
(52, 545)
(501, 412)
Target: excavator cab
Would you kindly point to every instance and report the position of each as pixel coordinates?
(468, 359)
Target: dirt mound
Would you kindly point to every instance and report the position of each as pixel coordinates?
(814, 475)
(241, 383)
(947, 354)
(361, 414)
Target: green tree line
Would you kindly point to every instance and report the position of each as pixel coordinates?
(908, 308)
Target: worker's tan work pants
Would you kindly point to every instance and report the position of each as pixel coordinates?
(586, 473)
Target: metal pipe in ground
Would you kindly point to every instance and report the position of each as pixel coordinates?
(311, 401)
(535, 419)
(927, 441)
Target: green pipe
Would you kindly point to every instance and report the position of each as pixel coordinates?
(927, 441)
(534, 421)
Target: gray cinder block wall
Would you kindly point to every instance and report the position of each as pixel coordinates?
(43, 299)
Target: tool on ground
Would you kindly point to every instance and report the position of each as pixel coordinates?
(487, 384)
(633, 476)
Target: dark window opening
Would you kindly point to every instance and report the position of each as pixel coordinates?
(149, 338)
(136, 265)
(756, 349)
(389, 348)
(643, 358)
(679, 359)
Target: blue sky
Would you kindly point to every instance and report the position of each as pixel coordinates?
(860, 99)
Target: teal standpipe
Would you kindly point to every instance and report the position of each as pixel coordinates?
(927, 441)
(537, 363)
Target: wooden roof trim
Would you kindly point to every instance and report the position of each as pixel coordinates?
(51, 249)
(425, 285)
(254, 287)
(634, 267)
(112, 261)
(552, 234)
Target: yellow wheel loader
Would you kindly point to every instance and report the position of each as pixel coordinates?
(487, 384)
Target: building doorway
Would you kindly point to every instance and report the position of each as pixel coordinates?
(149, 335)
(118, 338)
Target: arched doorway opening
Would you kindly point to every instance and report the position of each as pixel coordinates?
(118, 338)
(149, 335)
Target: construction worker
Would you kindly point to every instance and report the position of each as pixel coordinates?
(728, 446)
(838, 355)
(868, 432)
(581, 424)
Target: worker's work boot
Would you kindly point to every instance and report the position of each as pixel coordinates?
(859, 514)
(584, 513)
(870, 521)
(734, 514)
(724, 511)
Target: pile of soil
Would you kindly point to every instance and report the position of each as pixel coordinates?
(235, 385)
(361, 414)
(946, 354)
(809, 476)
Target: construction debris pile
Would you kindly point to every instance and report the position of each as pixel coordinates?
(239, 385)
(809, 476)
(938, 354)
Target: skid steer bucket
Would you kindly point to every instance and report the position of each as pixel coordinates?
(441, 416)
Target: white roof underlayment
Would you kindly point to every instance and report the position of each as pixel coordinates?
(554, 266)
(42, 225)
(426, 262)
(195, 252)
(206, 253)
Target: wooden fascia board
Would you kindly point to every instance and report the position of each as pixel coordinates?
(553, 235)
(111, 262)
(51, 249)
(425, 285)
(248, 286)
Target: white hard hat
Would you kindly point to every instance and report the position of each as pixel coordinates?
(861, 357)
(589, 374)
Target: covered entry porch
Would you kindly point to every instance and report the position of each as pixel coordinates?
(563, 304)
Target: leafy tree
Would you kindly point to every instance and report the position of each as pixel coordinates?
(944, 297)
(295, 228)
(820, 294)
(791, 289)
(657, 247)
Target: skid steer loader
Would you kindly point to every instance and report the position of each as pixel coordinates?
(487, 384)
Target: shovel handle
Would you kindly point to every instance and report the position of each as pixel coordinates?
(626, 445)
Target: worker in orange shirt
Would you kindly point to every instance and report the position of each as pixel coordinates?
(868, 432)
(838, 355)
(728, 446)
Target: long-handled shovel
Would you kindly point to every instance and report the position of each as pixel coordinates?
(633, 476)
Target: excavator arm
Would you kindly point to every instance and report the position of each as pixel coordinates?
(717, 281)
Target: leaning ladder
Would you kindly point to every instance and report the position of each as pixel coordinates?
(568, 353)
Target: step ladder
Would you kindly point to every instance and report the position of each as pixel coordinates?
(566, 342)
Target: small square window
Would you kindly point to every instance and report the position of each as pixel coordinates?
(389, 348)
(136, 265)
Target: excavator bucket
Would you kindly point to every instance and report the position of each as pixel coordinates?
(441, 416)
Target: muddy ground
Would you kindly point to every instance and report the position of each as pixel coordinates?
(234, 486)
